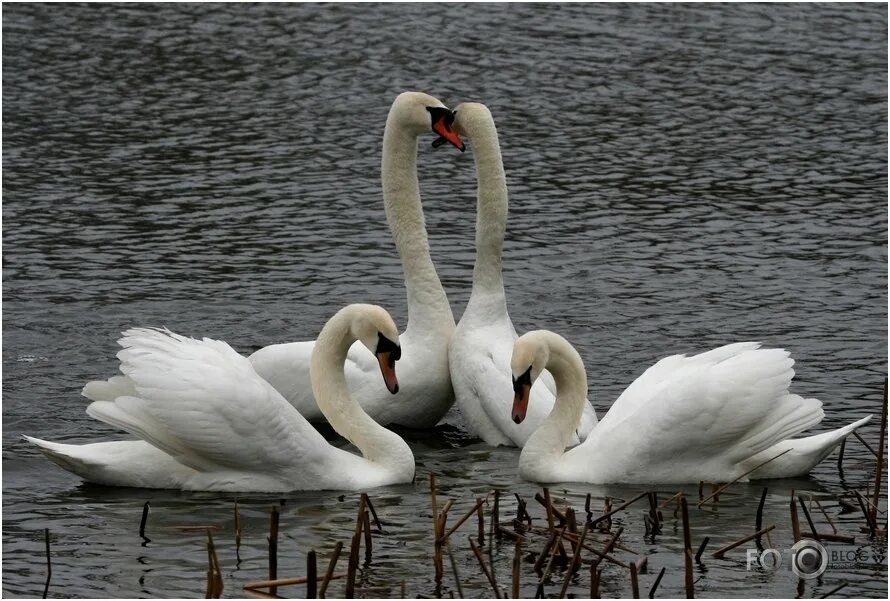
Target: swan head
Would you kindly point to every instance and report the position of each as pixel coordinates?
(471, 118)
(530, 356)
(374, 327)
(420, 113)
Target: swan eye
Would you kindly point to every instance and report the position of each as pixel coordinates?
(385, 345)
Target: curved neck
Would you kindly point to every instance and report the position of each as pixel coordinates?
(427, 302)
(491, 209)
(346, 416)
(548, 443)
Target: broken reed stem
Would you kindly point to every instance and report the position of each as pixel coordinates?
(701, 548)
(366, 522)
(862, 440)
(437, 546)
(460, 588)
(273, 547)
(656, 583)
(496, 517)
(545, 553)
(49, 563)
(687, 548)
(285, 581)
(464, 518)
(617, 509)
(143, 521)
(634, 582)
(840, 455)
(728, 484)
(548, 506)
(834, 590)
(332, 564)
(879, 467)
(872, 525)
(214, 573)
(488, 573)
(373, 513)
(311, 576)
(822, 509)
(352, 565)
(806, 514)
(721, 552)
(571, 521)
(481, 522)
(795, 523)
(576, 562)
(517, 564)
(237, 533)
(521, 511)
(594, 581)
(758, 521)
(539, 592)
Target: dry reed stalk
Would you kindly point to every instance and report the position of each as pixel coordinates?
(872, 526)
(576, 562)
(273, 547)
(758, 521)
(718, 554)
(437, 546)
(260, 595)
(840, 455)
(517, 564)
(477, 507)
(809, 519)
(481, 521)
(286, 581)
(834, 590)
(539, 592)
(49, 563)
(594, 581)
(864, 443)
(329, 573)
(214, 573)
(634, 582)
(720, 489)
(617, 509)
(496, 517)
(571, 521)
(549, 507)
(352, 565)
(311, 576)
(822, 509)
(687, 548)
(701, 548)
(373, 513)
(656, 583)
(831, 537)
(879, 467)
(545, 553)
(485, 569)
(366, 522)
(237, 533)
(460, 588)
(143, 521)
(795, 523)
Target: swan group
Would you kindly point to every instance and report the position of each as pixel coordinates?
(207, 418)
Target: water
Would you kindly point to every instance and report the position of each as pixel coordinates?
(680, 177)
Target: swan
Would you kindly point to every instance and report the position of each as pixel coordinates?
(714, 416)
(426, 393)
(480, 350)
(207, 421)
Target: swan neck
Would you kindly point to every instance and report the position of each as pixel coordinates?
(346, 416)
(548, 443)
(491, 209)
(427, 301)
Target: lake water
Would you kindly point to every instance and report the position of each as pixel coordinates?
(680, 176)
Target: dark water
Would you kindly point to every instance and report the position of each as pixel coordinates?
(680, 177)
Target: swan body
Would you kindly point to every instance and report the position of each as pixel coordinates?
(425, 394)
(207, 421)
(712, 416)
(480, 350)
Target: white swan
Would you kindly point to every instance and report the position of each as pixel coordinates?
(208, 422)
(479, 355)
(712, 417)
(426, 393)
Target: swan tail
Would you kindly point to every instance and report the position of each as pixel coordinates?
(117, 463)
(110, 389)
(800, 454)
(791, 415)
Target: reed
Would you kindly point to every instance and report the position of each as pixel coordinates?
(49, 562)
(329, 573)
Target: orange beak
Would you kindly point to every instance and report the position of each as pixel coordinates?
(441, 127)
(522, 387)
(388, 368)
